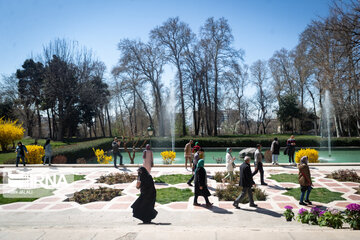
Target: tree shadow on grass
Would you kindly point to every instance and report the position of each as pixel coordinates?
(263, 211)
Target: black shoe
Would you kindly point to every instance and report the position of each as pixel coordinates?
(253, 205)
(264, 184)
(308, 202)
(116, 166)
(189, 183)
(196, 204)
(302, 203)
(236, 205)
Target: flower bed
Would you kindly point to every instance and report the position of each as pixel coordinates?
(345, 175)
(232, 191)
(116, 178)
(93, 195)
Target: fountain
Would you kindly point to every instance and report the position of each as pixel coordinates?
(327, 108)
(172, 115)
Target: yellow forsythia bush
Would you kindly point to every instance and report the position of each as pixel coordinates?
(35, 154)
(10, 131)
(168, 157)
(312, 154)
(101, 156)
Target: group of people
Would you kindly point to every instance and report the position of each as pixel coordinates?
(21, 150)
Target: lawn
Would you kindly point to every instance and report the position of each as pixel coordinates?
(172, 179)
(28, 195)
(11, 156)
(322, 195)
(168, 195)
(286, 177)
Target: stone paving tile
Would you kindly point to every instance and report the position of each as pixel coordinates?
(341, 189)
(134, 191)
(49, 199)
(280, 198)
(288, 185)
(265, 205)
(96, 205)
(13, 206)
(226, 205)
(332, 184)
(282, 205)
(119, 206)
(62, 206)
(354, 197)
(351, 184)
(178, 205)
(342, 204)
(326, 180)
(36, 206)
(125, 198)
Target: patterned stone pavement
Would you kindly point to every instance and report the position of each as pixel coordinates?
(275, 198)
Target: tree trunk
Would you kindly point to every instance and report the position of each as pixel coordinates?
(49, 122)
(109, 121)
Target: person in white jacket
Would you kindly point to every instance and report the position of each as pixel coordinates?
(229, 165)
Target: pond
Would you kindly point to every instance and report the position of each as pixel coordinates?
(339, 155)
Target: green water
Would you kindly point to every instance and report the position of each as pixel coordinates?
(340, 155)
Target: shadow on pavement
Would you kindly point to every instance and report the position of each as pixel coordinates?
(263, 211)
(154, 223)
(276, 187)
(217, 209)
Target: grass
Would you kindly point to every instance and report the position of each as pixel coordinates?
(168, 195)
(28, 195)
(232, 191)
(322, 195)
(172, 179)
(286, 177)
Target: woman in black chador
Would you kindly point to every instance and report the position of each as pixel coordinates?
(143, 207)
(201, 188)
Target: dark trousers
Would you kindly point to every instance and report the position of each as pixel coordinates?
(303, 190)
(206, 199)
(291, 155)
(116, 154)
(259, 167)
(245, 190)
(191, 179)
(18, 160)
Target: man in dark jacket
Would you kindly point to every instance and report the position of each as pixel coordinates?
(116, 151)
(246, 182)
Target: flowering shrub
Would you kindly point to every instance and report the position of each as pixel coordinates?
(352, 213)
(168, 157)
(314, 214)
(312, 154)
(289, 214)
(59, 159)
(101, 156)
(331, 218)
(35, 154)
(10, 131)
(303, 216)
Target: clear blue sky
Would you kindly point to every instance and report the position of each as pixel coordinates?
(260, 27)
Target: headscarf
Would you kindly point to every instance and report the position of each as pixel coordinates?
(228, 150)
(196, 143)
(304, 160)
(200, 164)
(147, 148)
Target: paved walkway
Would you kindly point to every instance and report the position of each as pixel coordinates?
(52, 218)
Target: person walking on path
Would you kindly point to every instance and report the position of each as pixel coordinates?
(200, 181)
(48, 152)
(116, 151)
(291, 144)
(259, 164)
(143, 207)
(195, 162)
(196, 148)
(20, 153)
(230, 165)
(188, 154)
(246, 182)
(275, 151)
(304, 181)
(148, 158)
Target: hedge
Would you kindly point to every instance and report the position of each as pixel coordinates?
(82, 149)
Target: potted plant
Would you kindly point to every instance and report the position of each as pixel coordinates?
(303, 216)
(289, 214)
(331, 218)
(352, 214)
